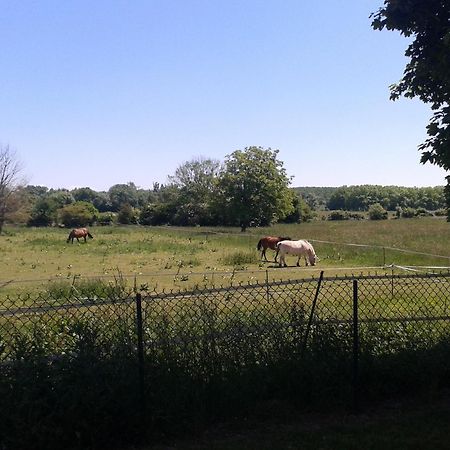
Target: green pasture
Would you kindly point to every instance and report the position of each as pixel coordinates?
(212, 343)
(174, 258)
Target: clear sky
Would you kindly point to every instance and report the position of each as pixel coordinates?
(95, 93)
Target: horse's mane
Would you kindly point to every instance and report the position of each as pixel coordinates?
(284, 238)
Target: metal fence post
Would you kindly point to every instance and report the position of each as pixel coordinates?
(311, 315)
(140, 350)
(355, 369)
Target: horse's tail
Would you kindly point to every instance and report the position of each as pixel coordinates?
(258, 247)
(90, 235)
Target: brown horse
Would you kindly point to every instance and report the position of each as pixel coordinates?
(77, 233)
(270, 242)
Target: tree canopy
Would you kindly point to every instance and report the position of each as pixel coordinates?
(254, 187)
(427, 74)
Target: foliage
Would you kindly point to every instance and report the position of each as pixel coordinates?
(377, 212)
(338, 215)
(10, 169)
(157, 213)
(43, 213)
(254, 188)
(359, 198)
(196, 182)
(121, 194)
(316, 197)
(301, 211)
(440, 212)
(99, 199)
(427, 73)
(407, 213)
(78, 214)
(106, 218)
(184, 203)
(127, 215)
(70, 379)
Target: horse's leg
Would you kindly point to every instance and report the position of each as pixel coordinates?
(264, 253)
(298, 261)
(276, 254)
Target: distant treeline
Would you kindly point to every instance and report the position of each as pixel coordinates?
(170, 204)
(360, 198)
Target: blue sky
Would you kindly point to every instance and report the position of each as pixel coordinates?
(106, 92)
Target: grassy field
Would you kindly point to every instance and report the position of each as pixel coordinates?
(200, 348)
(169, 257)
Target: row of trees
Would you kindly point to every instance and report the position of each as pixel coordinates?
(250, 187)
(360, 198)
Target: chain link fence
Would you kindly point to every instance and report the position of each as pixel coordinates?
(90, 355)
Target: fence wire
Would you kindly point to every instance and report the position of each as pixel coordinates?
(261, 315)
(80, 359)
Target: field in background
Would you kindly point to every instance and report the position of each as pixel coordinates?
(174, 258)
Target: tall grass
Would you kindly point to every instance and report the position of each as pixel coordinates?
(157, 254)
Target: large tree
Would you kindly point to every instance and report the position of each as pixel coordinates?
(254, 188)
(196, 181)
(10, 169)
(427, 74)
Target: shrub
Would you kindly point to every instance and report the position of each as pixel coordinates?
(356, 216)
(338, 215)
(422, 212)
(407, 213)
(442, 212)
(127, 215)
(377, 212)
(43, 213)
(106, 218)
(78, 214)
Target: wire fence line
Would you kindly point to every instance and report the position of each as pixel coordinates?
(172, 357)
(401, 298)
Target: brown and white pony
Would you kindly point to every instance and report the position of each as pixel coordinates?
(298, 248)
(77, 233)
(270, 242)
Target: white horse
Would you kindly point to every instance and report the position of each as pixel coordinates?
(299, 248)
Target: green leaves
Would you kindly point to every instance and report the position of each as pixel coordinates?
(427, 75)
(254, 187)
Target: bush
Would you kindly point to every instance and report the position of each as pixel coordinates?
(377, 212)
(78, 214)
(407, 213)
(43, 213)
(127, 215)
(338, 215)
(106, 218)
(422, 212)
(442, 212)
